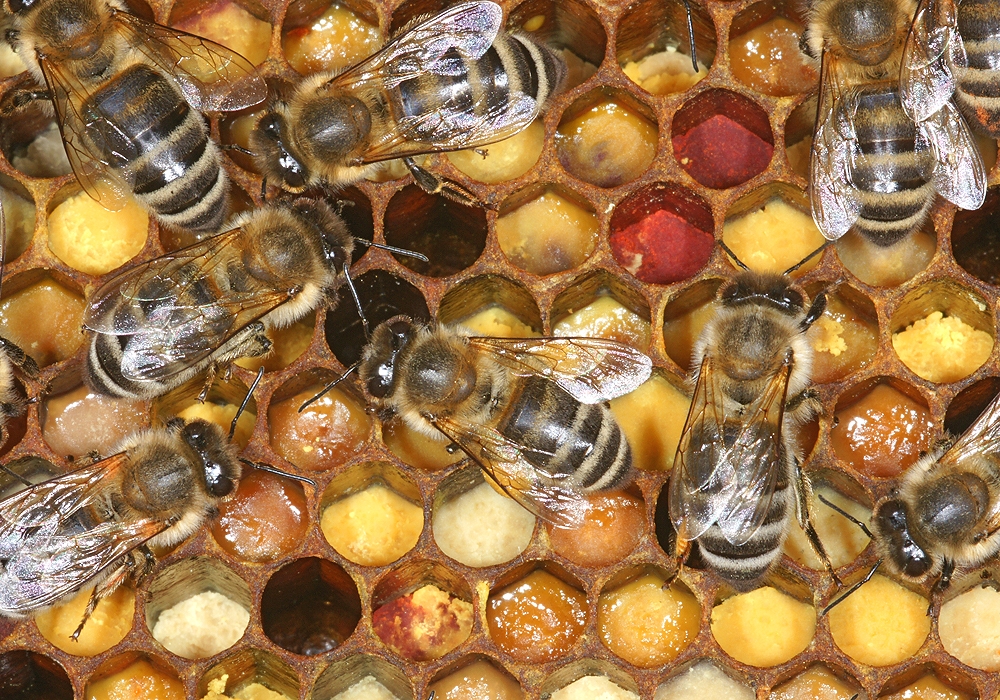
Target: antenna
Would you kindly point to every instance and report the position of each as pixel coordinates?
(329, 386)
(246, 400)
(694, 55)
(731, 254)
(260, 466)
(806, 259)
(393, 249)
(357, 301)
(853, 588)
(847, 515)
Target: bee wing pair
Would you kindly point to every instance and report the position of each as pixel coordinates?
(175, 311)
(49, 550)
(431, 51)
(727, 464)
(211, 77)
(589, 369)
(933, 49)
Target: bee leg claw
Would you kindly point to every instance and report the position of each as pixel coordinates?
(432, 184)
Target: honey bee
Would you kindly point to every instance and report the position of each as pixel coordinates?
(96, 524)
(736, 477)
(157, 325)
(945, 513)
(127, 95)
(875, 166)
(530, 412)
(444, 83)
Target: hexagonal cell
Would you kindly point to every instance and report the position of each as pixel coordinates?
(771, 230)
(310, 606)
(382, 296)
(917, 684)
(32, 143)
(477, 676)
(266, 519)
(599, 305)
(372, 513)
(475, 524)
(503, 160)
(25, 675)
(845, 338)
(654, 49)
(318, 35)
(417, 449)
(888, 265)
(842, 539)
(359, 677)
(684, 317)
(607, 137)
(19, 217)
(881, 623)
(34, 470)
(422, 610)
(451, 235)
(600, 679)
(243, 25)
(722, 139)
(88, 237)
(493, 306)
(798, 137)
(942, 331)
(818, 682)
(764, 52)
(545, 229)
(652, 418)
(975, 238)
(662, 233)
(643, 623)
(108, 625)
(536, 612)
(42, 316)
(967, 624)
(79, 421)
(612, 527)
(131, 673)
(234, 130)
(741, 621)
(328, 432)
(252, 672)
(220, 406)
(881, 427)
(198, 607)
(570, 25)
(704, 680)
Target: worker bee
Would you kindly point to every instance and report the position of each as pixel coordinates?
(945, 512)
(96, 524)
(123, 90)
(443, 83)
(736, 476)
(530, 412)
(157, 325)
(876, 164)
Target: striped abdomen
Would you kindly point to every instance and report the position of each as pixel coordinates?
(978, 94)
(513, 64)
(893, 182)
(144, 129)
(563, 436)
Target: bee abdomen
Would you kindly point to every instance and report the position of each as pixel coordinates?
(978, 93)
(162, 149)
(565, 437)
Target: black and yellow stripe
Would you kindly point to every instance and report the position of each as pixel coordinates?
(978, 93)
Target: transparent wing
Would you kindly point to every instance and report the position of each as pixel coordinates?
(92, 143)
(959, 174)
(47, 555)
(933, 49)
(504, 463)
(835, 204)
(211, 77)
(982, 437)
(592, 370)
(179, 308)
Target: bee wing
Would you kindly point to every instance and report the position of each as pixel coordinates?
(211, 77)
(726, 468)
(934, 47)
(90, 142)
(47, 554)
(590, 369)
(959, 174)
(982, 437)
(835, 204)
(503, 461)
(431, 52)
(177, 309)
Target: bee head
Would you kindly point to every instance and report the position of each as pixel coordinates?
(891, 523)
(274, 155)
(866, 30)
(378, 363)
(220, 470)
(766, 289)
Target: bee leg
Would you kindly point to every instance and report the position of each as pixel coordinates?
(250, 342)
(681, 552)
(138, 564)
(816, 310)
(22, 360)
(942, 583)
(17, 100)
(432, 184)
(803, 502)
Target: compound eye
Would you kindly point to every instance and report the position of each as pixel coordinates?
(269, 125)
(219, 485)
(381, 383)
(400, 333)
(19, 6)
(792, 297)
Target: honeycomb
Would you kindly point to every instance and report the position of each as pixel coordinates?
(290, 577)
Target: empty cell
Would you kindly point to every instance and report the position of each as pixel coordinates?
(265, 519)
(44, 319)
(612, 526)
(975, 239)
(28, 676)
(764, 627)
(314, 38)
